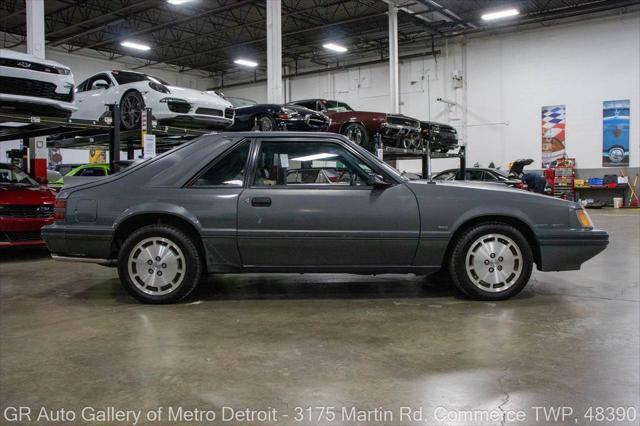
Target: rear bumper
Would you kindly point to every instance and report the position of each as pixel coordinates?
(82, 243)
(568, 250)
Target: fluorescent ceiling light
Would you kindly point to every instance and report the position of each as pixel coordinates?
(320, 156)
(246, 63)
(136, 46)
(500, 14)
(178, 1)
(335, 47)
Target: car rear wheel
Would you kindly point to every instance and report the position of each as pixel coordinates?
(159, 264)
(265, 123)
(491, 261)
(356, 133)
(131, 109)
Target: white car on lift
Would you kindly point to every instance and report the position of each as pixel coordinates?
(134, 91)
(35, 86)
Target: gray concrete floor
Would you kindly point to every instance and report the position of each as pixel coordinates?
(71, 338)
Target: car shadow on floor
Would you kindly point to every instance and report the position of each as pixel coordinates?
(293, 287)
(22, 254)
(320, 286)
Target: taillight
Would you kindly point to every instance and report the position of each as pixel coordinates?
(59, 210)
(283, 116)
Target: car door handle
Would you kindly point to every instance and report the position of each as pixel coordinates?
(261, 202)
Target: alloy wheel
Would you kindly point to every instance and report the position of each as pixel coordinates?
(265, 124)
(131, 111)
(494, 262)
(156, 266)
(354, 134)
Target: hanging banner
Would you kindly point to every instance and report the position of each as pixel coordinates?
(615, 133)
(553, 125)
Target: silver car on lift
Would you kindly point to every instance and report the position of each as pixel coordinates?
(226, 203)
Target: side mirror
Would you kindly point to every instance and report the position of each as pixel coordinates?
(377, 181)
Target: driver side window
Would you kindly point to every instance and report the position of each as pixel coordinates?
(299, 164)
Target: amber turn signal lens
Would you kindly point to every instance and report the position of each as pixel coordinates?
(584, 219)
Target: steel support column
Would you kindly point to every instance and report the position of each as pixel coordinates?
(274, 52)
(35, 46)
(394, 86)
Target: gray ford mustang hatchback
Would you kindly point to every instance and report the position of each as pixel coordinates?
(309, 202)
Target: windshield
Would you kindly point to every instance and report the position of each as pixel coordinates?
(241, 102)
(11, 175)
(336, 106)
(126, 77)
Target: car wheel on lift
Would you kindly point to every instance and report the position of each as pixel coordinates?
(356, 133)
(265, 123)
(131, 110)
(491, 261)
(159, 264)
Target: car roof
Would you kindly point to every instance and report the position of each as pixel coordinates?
(285, 135)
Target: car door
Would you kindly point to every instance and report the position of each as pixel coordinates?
(326, 218)
(92, 95)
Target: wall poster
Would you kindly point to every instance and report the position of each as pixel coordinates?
(553, 125)
(615, 133)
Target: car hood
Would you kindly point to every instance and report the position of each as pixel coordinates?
(14, 194)
(193, 95)
(6, 53)
(493, 191)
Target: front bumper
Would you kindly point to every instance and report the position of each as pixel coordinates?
(22, 231)
(400, 136)
(567, 250)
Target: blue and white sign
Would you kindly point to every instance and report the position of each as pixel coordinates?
(615, 133)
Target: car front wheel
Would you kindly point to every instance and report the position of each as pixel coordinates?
(491, 261)
(159, 264)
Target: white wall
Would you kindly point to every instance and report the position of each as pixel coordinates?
(579, 65)
(508, 79)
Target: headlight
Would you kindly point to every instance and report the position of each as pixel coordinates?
(583, 219)
(159, 87)
(63, 71)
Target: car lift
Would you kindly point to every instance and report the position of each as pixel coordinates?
(424, 154)
(75, 133)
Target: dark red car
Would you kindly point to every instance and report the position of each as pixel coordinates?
(25, 207)
(397, 130)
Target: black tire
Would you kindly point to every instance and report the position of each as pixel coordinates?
(265, 123)
(191, 267)
(131, 110)
(461, 276)
(356, 133)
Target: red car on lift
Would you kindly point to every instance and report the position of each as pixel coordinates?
(25, 207)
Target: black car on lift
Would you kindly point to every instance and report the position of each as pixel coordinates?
(251, 115)
(441, 137)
